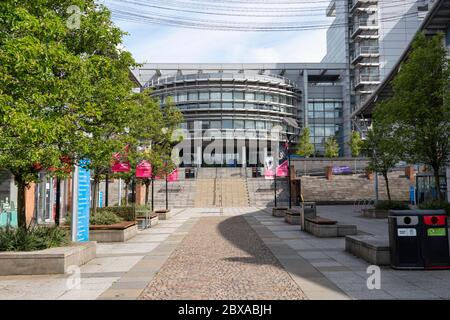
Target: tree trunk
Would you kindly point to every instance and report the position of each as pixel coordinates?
(147, 190)
(388, 190)
(21, 207)
(126, 193)
(95, 189)
(58, 201)
(437, 184)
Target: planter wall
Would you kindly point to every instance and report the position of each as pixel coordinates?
(279, 212)
(49, 261)
(114, 233)
(375, 213)
(163, 214)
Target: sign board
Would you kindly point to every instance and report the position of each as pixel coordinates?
(81, 203)
(100, 199)
(437, 232)
(407, 232)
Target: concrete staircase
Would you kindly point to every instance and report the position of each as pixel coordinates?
(221, 187)
(261, 192)
(181, 194)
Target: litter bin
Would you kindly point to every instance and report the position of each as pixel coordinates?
(404, 239)
(189, 173)
(419, 239)
(254, 172)
(435, 247)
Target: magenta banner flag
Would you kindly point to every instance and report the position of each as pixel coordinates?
(121, 167)
(283, 169)
(144, 170)
(173, 176)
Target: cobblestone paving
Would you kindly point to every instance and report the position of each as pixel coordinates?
(222, 258)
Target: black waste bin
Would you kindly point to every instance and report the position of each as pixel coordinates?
(254, 172)
(435, 247)
(189, 173)
(404, 239)
(419, 239)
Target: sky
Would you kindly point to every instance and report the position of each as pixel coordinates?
(156, 43)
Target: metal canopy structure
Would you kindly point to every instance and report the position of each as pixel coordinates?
(437, 20)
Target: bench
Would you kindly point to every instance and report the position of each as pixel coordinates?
(373, 249)
(327, 228)
(279, 212)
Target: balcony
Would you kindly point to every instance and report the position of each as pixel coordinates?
(364, 24)
(365, 52)
(367, 79)
(361, 3)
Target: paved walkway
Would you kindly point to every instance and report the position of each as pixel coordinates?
(222, 258)
(231, 253)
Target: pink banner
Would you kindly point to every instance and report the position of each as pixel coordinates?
(173, 176)
(121, 167)
(144, 170)
(283, 169)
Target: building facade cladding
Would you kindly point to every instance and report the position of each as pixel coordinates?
(246, 102)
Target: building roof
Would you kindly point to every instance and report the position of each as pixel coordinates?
(437, 20)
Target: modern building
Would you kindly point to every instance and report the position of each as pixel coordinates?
(370, 36)
(244, 102)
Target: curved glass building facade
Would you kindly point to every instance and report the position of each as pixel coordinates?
(233, 107)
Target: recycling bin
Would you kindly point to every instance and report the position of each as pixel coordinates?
(419, 239)
(404, 239)
(434, 239)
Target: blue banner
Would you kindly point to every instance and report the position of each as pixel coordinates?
(100, 199)
(84, 203)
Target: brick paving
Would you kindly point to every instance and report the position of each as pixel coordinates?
(222, 258)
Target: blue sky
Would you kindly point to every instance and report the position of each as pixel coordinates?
(163, 44)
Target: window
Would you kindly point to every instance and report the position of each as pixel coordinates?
(193, 96)
(260, 125)
(227, 105)
(238, 95)
(249, 124)
(216, 125)
(227, 124)
(239, 124)
(203, 106)
(182, 96)
(249, 96)
(205, 125)
(239, 106)
(227, 95)
(216, 96)
(216, 105)
(250, 106)
(283, 99)
(260, 96)
(204, 96)
(329, 106)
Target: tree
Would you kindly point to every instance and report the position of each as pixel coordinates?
(356, 143)
(419, 109)
(304, 147)
(331, 147)
(64, 89)
(383, 149)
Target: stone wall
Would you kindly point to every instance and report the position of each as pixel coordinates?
(353, 187)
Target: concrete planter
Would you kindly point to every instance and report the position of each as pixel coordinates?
(330, 231)
(293, 217)
(119, 232)
(163, 214)
(372, 249)
(279, 212)
(375, 213)
(48, 261)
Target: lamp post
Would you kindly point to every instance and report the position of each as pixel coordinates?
(288, 143)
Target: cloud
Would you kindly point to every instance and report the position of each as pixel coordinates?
(164, 45)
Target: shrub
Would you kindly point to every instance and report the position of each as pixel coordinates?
(391, 205)
(104, 218)
(436, 205)
(126, 213)
(32, 239)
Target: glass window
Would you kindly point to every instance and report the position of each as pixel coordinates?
(283, 99)
(269, 125)
(329, 131)
(250, 106)
(239, 106)
(249, 96)
(203, 95)
(205, 125)
(276, 98)
(193, 96)
(203, 105)
(329, 115)
(260, 96)
(319, 131)
(227, 105)
(289, 101)
(329, 106)
(239, 124)
(182, 96)
(227, 95)
(249, 124)
(311, 114)
(216, 105)
(216, 96)
(190, 125)
(216, 125)
(318, 106)
(227, 124)
(268, 97)
(193, 106)
(260, 125)
(238, 95)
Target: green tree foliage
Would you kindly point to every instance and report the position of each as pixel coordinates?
(331, 147)
(304, 147)
(384, 151)
(65, 89)
(356, 144)
(419, 110)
